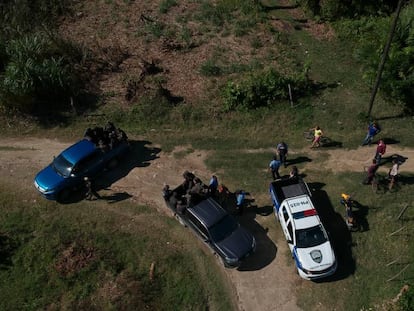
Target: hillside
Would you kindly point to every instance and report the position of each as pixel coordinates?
(158, 70)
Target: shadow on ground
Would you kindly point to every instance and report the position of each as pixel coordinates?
(298, 160)
(141, 154)
(265, 248)
(339, 234)
(8, 247)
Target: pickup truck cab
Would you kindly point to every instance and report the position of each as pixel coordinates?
(67, 171)
(305, 234)
(216, 227)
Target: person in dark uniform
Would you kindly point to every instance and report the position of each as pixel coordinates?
(91, 193)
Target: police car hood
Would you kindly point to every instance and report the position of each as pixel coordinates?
(316, 258)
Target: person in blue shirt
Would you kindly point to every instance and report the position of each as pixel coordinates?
(212, 187)
(373, 129)
(240, 196)
(274, 168)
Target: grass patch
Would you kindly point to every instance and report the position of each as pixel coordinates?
(91, 256)
(365, 256)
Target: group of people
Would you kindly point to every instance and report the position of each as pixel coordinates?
(279, 159)
(192, 191)
(105, 137)
(372, 131)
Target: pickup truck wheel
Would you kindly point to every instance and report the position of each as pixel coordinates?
(63, 195)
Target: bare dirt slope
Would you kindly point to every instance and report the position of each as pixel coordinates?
(269, 285)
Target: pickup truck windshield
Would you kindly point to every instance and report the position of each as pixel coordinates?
(223, 228)
(310, 237)
(62, 166)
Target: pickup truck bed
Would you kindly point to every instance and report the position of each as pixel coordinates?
(283, 189)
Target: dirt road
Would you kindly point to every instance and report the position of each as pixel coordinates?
(268, 286)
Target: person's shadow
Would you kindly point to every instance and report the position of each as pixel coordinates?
(297, 160)
(116, 197)
(360, 213)
(140, 154)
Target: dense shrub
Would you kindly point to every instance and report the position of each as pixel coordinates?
(337, 9)
(35, 73)
(369, 35)
(264, 89)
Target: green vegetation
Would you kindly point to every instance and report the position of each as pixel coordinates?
(244, 105)
(91, 256)
(368, 259)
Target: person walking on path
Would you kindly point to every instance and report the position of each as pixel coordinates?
(393, 174)
(274, 168)
(282, 151)
(91, 193)
(372, 170)
(373, 129)
(381, 148)
(317, 135)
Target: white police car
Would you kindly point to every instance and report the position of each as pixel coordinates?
(303, 229)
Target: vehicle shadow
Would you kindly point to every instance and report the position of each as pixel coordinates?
(116, 197)
(140, 155)
(339, 234)
(265, 248)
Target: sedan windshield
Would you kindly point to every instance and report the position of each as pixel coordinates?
(62, 166)
(310, 237)
(223, 228)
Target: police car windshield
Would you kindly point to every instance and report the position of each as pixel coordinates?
(310, 237)
(62, 166)
(223, 228)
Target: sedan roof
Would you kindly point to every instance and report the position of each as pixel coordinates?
(208, 212)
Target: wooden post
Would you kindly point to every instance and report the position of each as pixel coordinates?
(290, 95)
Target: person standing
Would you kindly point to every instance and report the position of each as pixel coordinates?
(91, 193)
(381, 148)
(213, 185)
(294, 172)
(393, 174)
(373, 129)
(317, 135)
(282, 151)
(274, 168)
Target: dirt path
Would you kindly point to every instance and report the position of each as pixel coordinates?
(266, 288)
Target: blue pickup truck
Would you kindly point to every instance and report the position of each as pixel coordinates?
(86, 158)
